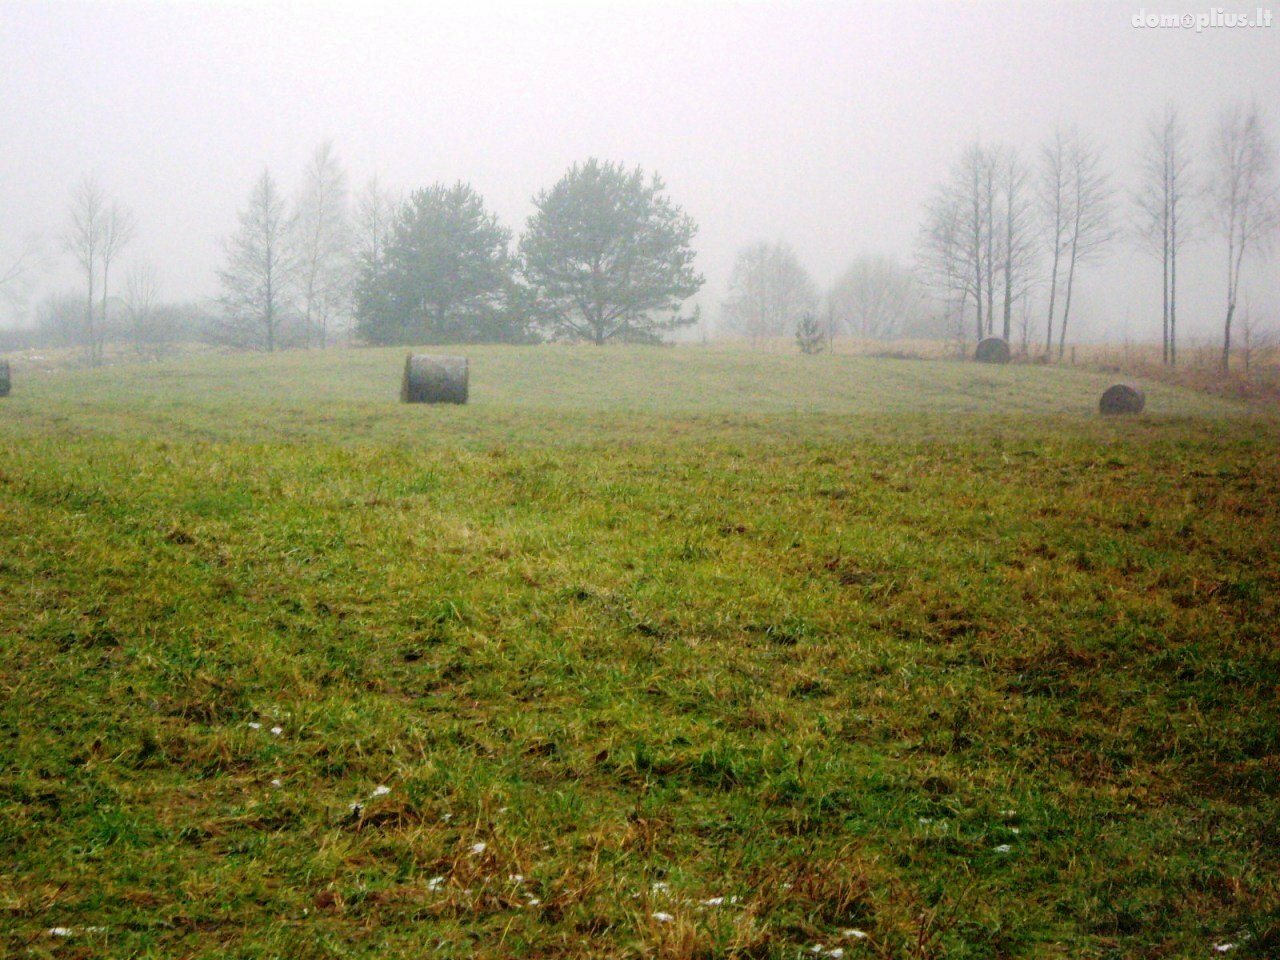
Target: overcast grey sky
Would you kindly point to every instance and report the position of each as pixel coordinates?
(823, 124)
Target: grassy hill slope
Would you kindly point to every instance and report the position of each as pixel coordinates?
(674, 653)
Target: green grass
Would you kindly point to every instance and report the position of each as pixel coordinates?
(654, 626)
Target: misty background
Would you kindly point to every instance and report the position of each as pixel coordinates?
(826, 126)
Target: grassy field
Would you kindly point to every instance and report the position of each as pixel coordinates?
(645, 652)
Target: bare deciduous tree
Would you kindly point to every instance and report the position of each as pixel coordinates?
(15, 272)
(1260, 339)
(373, 229)
(375, 214)
(769, 292)
(979, 244)
(940, 260)
(1077, 202)
(875, 298)
(1055, 214)
(1016, 242)
(83, 240)
(974, 185)
(141, 296)
(1243, 198)
(322, 233)
(260, 272)
(118, 229)
(60, 318)
(1164, 216)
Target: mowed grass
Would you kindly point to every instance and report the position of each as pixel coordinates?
(644, 652)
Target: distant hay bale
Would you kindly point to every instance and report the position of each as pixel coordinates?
(434, 379)
(4, 378)
(992, 350)
(1122, 398)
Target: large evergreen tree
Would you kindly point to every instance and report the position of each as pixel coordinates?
(607, 254)
(444, 275)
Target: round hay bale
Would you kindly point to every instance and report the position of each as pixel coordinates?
(4, 378)
(1122, 398)
(434, 379)
(992, 350)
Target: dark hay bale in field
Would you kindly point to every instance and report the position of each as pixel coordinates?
(1122, 398)
(992, 350)
(434, 379)
(4, 378)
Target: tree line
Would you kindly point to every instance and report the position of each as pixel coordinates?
(1005, 239)
(604, 257)
(1002, 230)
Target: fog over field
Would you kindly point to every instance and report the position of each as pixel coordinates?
(824, 125)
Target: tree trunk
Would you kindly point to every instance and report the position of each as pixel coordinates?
(977, 259)
(1226, 337)
(1164, 278)
(1053, 293)
(90, 333)
(1066, 306)
(106, 268)
(1008, 272)
(1173, 297)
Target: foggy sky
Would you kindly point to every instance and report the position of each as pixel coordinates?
(822, 124)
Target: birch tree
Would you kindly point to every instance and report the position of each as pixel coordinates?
(257, 281)
(1078, 202)
(118, 229)
(374, 221)
(1165, 220)
(1016, 242)
(141, 296)
(1055, 215)
(322, 232)
(83, 240)
(1243, 198)
(373, 227)
(940, 260)
(979, 237)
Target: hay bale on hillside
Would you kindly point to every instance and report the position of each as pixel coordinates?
(4, 378)
(434, 379)
(1122, 398)
(992, 350)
